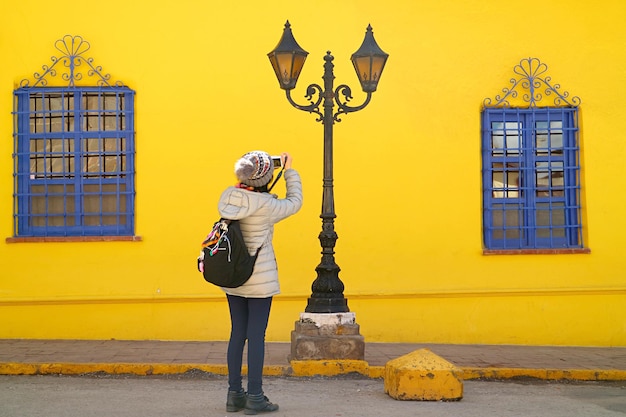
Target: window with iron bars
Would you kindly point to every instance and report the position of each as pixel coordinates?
(74, 161)
(531, 178)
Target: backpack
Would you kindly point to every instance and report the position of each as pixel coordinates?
(225, 260)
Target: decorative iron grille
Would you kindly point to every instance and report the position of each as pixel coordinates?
(533, 79)
(73, 150)
(531, 165)
(72, 49)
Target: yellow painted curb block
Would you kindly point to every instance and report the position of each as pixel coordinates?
(422, 375)
(106, 368)
(302, 368)
(12, 368)
(329, 367)
(376, 372)
(546, 374)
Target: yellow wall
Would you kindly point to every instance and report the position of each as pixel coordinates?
(408, 166)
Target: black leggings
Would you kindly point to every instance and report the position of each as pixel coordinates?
(248, 318)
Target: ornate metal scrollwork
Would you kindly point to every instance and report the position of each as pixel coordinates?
(72, 49)
(313, 106)
(531, 78)
(328, 95)
(344, 108)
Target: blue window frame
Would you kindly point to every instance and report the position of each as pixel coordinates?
(74, 163)
(531, 178)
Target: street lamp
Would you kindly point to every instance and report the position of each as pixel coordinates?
(369, 61)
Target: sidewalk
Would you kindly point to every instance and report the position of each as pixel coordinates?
(27, 357)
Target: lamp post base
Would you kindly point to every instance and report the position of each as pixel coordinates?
(327, 305)
(319, 336)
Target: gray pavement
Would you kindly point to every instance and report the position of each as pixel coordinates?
(203, 395)
(84, 378)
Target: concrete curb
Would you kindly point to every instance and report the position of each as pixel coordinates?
(301, 369)
(545, 374)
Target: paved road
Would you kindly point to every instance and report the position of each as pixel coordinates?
(204, 395)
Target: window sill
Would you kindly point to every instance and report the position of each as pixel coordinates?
(47, 239)
(565, 251)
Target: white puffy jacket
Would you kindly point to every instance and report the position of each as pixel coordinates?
(257, 213)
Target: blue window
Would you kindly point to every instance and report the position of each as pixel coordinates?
(74, 161)
(531, 178)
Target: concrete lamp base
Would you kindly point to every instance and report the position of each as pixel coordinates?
(322, 336)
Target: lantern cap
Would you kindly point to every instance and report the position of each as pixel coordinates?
(287, 42)
(369, 61)
(287, 59)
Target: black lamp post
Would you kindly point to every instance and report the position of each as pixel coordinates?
(287, 60)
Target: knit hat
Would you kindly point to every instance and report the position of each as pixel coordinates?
(255, 168)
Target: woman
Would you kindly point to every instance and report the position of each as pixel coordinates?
(257, 211)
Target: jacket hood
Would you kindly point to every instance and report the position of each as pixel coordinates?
(237, 203)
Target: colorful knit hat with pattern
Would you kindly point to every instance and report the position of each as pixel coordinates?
(255, 168)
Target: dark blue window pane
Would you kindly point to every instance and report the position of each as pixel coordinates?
(74, 153)
(531, 185)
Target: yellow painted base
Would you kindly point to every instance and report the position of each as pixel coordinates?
(422, 375)
(302, 369)
(329, 367)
